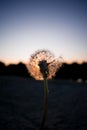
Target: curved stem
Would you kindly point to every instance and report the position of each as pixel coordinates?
(45, 104)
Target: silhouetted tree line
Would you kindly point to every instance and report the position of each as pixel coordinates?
(14, 70)
(72, 71)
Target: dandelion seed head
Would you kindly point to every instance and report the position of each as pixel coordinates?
(43, 62)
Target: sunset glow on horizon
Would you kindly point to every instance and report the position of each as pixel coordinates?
(30, 25)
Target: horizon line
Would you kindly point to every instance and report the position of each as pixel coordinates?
(23, 62)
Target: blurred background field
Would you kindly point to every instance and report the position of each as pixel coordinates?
(21, 104)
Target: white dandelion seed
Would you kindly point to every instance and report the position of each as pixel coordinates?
(43, 63)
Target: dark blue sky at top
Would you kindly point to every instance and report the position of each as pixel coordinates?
(68, 7)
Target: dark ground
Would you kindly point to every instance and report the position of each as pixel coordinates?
(21, 104)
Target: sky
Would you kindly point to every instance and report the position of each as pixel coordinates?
(29, 25)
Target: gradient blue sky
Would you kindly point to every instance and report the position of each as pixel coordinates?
(29, 25)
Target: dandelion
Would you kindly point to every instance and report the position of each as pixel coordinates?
(40, 60)
(42, 66)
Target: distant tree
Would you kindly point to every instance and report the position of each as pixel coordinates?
(22, 70)
(17, 70)
(83, 71)
(63, 72)
(72, 71)
(2, 68)
(75, 71)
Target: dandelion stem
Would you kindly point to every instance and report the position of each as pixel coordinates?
(45, 104)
